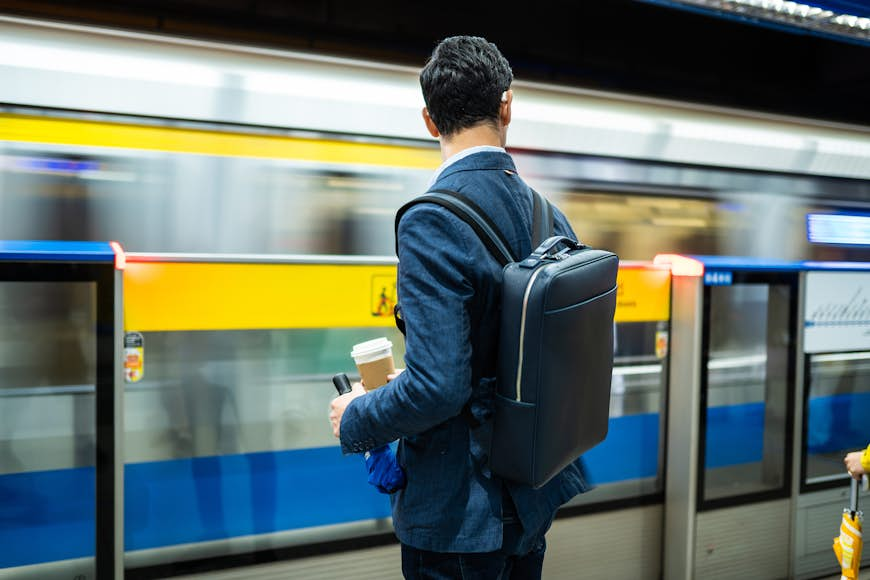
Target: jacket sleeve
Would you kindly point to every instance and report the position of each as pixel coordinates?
(865, 459)
(436, 295)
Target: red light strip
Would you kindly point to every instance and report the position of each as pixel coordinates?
(680, 265)
(120, 256)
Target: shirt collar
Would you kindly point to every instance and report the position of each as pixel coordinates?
(462, 155)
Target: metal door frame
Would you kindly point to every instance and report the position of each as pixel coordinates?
(50, 264)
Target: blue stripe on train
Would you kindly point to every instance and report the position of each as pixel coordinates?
(48, 515)
(735, 433)
(630, 450)
(838, 422)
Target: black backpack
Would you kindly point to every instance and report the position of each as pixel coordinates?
(555, 351)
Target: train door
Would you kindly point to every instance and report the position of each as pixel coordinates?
(728, 476)
(833, 409)
(60, 411)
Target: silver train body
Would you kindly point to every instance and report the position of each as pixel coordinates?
(634, 176)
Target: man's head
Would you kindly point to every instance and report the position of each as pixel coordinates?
(466, 83)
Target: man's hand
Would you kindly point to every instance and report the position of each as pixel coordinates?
(853, 464)
(394, 374)
(340, 403)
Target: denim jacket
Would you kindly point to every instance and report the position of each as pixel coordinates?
(449, 290)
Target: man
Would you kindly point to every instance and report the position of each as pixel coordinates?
(455, 519)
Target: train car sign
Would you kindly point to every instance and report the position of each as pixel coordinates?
(643, 293)
(718, 278)
(837, 312)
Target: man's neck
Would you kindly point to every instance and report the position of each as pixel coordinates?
(468, 138)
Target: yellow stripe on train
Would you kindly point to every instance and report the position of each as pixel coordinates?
(167, 296)
(202, 296)
(177, 140)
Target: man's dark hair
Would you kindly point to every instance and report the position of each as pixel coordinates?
(463, 82)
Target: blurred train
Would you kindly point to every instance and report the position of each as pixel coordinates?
(173, 146)
(201, 151)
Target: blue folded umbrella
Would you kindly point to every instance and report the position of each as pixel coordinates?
(384, 470)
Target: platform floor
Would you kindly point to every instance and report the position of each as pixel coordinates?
(284, 571)
(572, 554)
(335, 568)
(368, 564)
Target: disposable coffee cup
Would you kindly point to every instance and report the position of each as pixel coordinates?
(374, 359)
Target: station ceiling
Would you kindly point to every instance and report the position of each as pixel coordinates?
(858, 7)
(628, 46)
(840, 20)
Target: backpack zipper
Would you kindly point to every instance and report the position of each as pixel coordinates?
(523, 332)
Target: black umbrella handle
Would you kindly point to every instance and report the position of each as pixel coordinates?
(342, 383)
(853, 500)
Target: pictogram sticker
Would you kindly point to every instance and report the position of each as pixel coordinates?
(383, 295)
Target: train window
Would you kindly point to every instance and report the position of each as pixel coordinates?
(635, 428)
(226, 434)
(47, 434)
(183, 199)
(206, 393)
(154, 201)
(838, 405)
(747, 391)
(637, 227)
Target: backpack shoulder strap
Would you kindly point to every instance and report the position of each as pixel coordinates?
(542, 219)
(469, 212)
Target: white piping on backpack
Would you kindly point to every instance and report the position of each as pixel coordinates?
(523, 332)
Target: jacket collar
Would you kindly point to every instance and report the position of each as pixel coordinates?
(481, 159)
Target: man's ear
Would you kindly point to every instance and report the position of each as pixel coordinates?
(430, 124)
(505, 110)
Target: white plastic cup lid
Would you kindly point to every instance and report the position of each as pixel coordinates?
(366, 350)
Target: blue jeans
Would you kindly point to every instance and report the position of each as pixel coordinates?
(502, 564)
